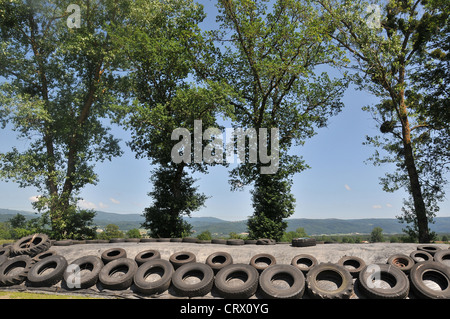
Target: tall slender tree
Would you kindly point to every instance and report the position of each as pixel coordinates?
(386, 41)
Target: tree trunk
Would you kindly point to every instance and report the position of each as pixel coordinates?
(416, 189)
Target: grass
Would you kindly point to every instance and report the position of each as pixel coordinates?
(33, 295)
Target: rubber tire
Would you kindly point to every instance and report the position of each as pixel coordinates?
(426, 256)
(344, 291)
(212, 260)
(118, 283)
(87, 279)
(147, 255)
(361, 264)
(198, 289)
(5, 251)
(219, 241)
(113, 254)
(244, 291)
(189, 240)
(429, 249)
(442, 255)
(312, 261)
(255, 258)
(36, 279)
(235, 242)
(418, 286)
(265, 241)
(17, 278)
(400, 287)
(44, 254)
(177, 262)
(40, 243)
(153, 287)
(402, 262)
(295, 291)
(67, 242)
(303, 242)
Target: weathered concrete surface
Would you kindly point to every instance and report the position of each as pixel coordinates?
(370, 253)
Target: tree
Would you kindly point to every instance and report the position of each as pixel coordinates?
(58, 90)
(133, 233)
(386, 54)
(111, 231)
(376, 235)
(164, 99)
(267, 67)
(18, 221)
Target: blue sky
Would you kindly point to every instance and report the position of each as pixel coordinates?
(338, 185)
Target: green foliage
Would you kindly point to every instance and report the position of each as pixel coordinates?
(376, 235)
(57, 93)
(205, 235)
(174, 196)
(298, 233)
(388, 59)
(133, 233)
(111, 231)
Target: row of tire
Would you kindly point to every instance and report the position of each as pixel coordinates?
(260, 241)
(32, 262)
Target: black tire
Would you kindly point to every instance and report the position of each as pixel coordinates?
(429, 249)
(443, 256)
(107, 275)
(402, 262)
(265, 241)
(132, 240)
(353, 264)
(397, 282)
(250, 242)
(148, 240)
(219, 260)
(176, 240)
(189, 240)
(181, 258)
(10, 274)
(113, 254)
(434, 271)
(235, 242)
(237, 281)
(31, 245)
(5, 251)
(39, 276)
(67, 242)
(44, 254)
(420, 256)
(3, 258)
(163, 240)
(187, 289)
(338, 274)
(219, 241)
(83, 272)
(262, 261)
(304, 262)
(147, 255)
(292, 275)
(117, 240)
(303, 242)
(153, 266)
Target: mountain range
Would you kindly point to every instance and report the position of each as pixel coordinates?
(220, 227)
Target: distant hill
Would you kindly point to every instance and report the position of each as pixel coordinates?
(220, 227)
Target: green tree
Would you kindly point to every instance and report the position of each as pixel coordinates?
(163, 99)
(376, 235)
(18, 221)
(205, 235)
(58, 90)
(133, 233)
(267, 66)
(387, 55)
(111, 231)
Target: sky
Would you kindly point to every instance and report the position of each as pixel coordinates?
(339, 183)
